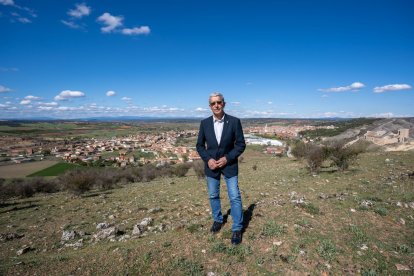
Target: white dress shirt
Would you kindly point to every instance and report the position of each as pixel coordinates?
(218, 127)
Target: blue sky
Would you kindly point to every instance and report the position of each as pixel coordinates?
(283, 59)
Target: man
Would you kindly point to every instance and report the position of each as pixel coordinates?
(220, 142)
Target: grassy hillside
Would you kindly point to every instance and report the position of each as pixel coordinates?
(357, 222)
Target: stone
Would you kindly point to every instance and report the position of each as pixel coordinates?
(106, 233)
(137, 231)
(277, 243)
(24, 250)
(155, 210)
(366, 203)
(402, 267)
(77, 244)
(10, 236)
(145, 222)
(102, 225)
(68, 235)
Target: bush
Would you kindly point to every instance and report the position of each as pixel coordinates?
(299, 150)
(315, 155)
(149, 172)
(181, 170)
(78, 181)
(342, 156)
(43, 185)
(198, 167)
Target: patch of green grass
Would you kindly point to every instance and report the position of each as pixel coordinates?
(192, 228)
(311, 209)
(327, 250)
(55, 170)
(239, 251)
(403, 248)
(358, 235)
(382, 211)
(188, 267)
(272, 229)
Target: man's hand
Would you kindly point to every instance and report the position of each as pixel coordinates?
(221, 162)
(212, 164)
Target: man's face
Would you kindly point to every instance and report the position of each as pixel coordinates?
(217, 106)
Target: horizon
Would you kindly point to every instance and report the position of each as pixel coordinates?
(161, 59)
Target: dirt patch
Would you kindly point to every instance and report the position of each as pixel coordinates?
(21, 170)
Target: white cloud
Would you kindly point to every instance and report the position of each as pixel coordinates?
(391, 87)
(24, 20)
(30, 97)
(126, 99)
(111, 22)
(143, 30)
(235, 103)
(200, 109)
(80, 11)
(269, 102)
(110, 93)
(67, 94)
(4, 69)
(71, 24)
(4, 89)
(354, 87)
(49, 104)
(7, 2)
(46, 108)
(25, 102)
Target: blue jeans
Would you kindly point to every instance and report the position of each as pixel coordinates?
(213, 186)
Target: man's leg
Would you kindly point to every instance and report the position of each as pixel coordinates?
(213, 186)
(235, 202)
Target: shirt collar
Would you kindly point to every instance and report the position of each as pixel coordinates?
(218, 120)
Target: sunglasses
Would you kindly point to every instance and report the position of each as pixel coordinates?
(217, 102)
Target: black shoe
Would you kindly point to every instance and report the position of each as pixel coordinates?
(216, 227)
(236, 238)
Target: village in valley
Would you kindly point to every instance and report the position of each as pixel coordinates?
(160, 147)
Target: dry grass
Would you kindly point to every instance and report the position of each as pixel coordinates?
(281, 238)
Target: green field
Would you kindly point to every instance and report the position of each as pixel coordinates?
(55, 170)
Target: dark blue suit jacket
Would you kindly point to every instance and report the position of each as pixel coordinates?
(231, 145)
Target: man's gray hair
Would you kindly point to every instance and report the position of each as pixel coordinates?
(216, 94)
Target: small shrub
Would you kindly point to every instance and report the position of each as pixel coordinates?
(189, 267)
(299, 150)
(342, 156)
(359, 236)
(315, 155)
(43, 185)
(78, 181)
(181, 170)
(327, 250)
(382, 211)
(198, 167)
(272, 229)
(254, 167)
(192, 228)
(311, 209)
(149, 172)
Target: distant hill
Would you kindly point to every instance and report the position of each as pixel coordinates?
(389, 125)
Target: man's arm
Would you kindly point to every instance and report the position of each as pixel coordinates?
(202, 151)
(239, 144)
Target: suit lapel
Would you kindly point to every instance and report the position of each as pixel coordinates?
(225, 128)
(211, 132)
